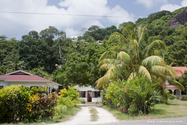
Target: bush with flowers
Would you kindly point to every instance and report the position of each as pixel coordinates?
(134, 97)
(41, 107)
(19, 103)
(68, 99)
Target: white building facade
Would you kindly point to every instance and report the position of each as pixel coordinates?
(89, 94)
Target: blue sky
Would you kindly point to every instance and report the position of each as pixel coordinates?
(16, 25)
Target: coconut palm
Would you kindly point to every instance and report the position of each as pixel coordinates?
(134, 57)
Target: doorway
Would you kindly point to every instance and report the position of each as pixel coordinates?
(89, 96)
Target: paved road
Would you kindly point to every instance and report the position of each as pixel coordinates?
(165, 121)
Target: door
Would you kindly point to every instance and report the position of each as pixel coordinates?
(89, 96)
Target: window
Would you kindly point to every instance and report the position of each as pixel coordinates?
(97, 94)
(82, 93)
(1, 87)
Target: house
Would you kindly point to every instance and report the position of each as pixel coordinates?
(89, 94)
(74, 38)
(27, 79)
(174, 89)
(100, 42)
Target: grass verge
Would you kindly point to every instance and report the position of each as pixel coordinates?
(174, 108)
(94, 112)
(56, 119)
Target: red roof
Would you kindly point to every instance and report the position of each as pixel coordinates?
(171, 86)
(182, 69)
(22, 78)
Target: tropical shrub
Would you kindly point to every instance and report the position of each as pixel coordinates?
(82, 101)
(22, 104)
(170, 96)
(68, 99)
(71, 93)
(41, 107)
(13, 100)
(134, 97)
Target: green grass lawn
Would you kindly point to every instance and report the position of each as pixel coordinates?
(174, 108)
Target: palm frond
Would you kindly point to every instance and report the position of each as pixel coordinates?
(141, 31)
(123, 57)
(132, 76)
(105, 67)
(124, 29)
(155, 45)
(144, 72)
(109, 75)
(181, 87)
(118, 48)
(109, 61)
(109, 55)
(134, 47)
(173, 71)
(156, 69)
(174, 82)
(117, 37)
(153, 60)
(100, 82)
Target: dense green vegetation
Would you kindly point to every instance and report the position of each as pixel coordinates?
(134, 97)
(22, 104)
(39, 52)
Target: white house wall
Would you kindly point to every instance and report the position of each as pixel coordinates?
(99, 99)
(28, 84)
(4, 84)
(86, 88)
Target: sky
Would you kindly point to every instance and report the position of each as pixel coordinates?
(19, 17)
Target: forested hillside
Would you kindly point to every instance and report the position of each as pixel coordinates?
(40, 52)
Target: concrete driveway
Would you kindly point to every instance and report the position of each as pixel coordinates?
(83, 117)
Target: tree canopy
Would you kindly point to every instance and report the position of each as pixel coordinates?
(80, 61)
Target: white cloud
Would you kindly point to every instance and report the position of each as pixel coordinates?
(172, 7)
(14, 25)
(150, 3)
(123, 15)
(184, 3)
(72, 32)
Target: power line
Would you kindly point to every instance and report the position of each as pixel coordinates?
(32, 13)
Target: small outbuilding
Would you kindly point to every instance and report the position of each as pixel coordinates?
(89, 94)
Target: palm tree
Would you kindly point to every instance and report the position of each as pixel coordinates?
(14, 64)
(134, 57)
